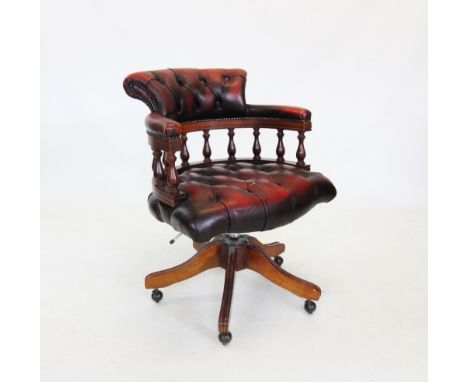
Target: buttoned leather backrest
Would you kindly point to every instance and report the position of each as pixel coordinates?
(190, 94)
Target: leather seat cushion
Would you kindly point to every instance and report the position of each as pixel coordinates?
(242, 197)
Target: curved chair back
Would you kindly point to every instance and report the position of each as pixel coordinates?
(190, 94)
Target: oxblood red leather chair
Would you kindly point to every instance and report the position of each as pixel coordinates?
(216, 202)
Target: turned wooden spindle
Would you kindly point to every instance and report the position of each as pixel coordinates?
(184, 154)
(172, 177)
(280, 147)
(256, 146)
(231, 146)
(300, 153)
(206, 146)
(158, 169)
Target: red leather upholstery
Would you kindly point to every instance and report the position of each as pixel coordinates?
(187, 94)
(182, 95)
(156, 124)
(242, 197)
(283, 112)
(237, 197)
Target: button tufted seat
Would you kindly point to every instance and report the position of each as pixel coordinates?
(242, 197)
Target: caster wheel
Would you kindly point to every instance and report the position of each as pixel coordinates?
(156, 295)
(278, 260)
(225, 338)
(310, 306)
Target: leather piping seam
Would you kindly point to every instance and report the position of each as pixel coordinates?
(219, 102)
(224, 205)
(183, 85)
(263, 203)
(211, 90)
(155, 78)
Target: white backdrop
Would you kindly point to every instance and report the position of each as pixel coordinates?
(359, 66)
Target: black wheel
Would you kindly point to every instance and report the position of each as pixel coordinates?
(156, 295)
(225, 338)
(310, 306)
(278, 260)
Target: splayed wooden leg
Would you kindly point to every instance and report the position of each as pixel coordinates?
(225, 335)
(208, 257)
(259, 262)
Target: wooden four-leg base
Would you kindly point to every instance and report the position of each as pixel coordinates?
(235, 253)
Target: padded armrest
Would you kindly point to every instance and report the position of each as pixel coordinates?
(274, 111)
(157, 125)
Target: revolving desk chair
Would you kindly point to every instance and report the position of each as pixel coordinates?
(216, 202)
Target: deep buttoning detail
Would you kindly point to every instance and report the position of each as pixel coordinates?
(242, 198)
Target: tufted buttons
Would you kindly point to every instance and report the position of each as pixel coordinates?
(221, 92)
(251, 198)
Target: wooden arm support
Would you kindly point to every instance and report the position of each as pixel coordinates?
(256, 123)
(167, 137)
(165, 175)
